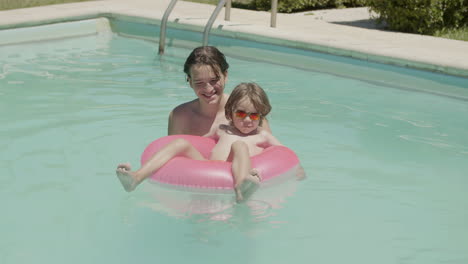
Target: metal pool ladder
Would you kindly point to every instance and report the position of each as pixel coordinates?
(206, 31)
(162, 31)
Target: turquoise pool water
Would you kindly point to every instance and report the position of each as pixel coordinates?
(385, 150)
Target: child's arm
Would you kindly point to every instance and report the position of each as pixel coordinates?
(213, 134)
(270, 140)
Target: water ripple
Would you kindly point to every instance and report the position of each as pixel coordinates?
(416, 123)
(435, 142)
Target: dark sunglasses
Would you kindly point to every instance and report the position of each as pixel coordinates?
(242, 114)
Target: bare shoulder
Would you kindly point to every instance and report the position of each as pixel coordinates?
(268, 136)
(264, 132)
(184, 110)
(266, 125)
(179, 117)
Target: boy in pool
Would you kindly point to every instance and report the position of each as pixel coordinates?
(237, 141)
(206, 70)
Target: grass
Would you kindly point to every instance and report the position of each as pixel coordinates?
(459, 34)
(211, 2)
(14, 4)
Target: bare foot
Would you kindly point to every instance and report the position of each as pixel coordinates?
(254, 172)
(126, 177)
(300, 173)
(247, 186)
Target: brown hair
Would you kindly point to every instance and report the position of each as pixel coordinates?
(254, 93)
(207, 55)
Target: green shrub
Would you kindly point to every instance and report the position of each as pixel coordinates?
(288, 6)
(421, 16)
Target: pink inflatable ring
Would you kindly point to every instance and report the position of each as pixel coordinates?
(185, 172)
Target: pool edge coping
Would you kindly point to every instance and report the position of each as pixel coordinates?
(225, 31)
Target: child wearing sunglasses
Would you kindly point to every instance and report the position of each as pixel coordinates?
(237, 141)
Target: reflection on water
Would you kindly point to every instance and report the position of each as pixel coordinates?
(208, 206)
(388, 165)
(213, 214)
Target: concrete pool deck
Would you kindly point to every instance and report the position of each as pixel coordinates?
(347, 32)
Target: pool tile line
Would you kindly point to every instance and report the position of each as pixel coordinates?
(228, 33)
(54, 31)
(225, 32)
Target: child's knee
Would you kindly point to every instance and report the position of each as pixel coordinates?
(181, 143)
(239, 146)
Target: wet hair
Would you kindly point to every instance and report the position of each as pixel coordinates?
(252, 92)
(207, 55)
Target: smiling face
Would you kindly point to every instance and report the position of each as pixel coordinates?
(207, 84)
(244, 122)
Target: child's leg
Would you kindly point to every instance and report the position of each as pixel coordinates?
(245, 179)
(179, 147)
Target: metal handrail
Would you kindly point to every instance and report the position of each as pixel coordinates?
(162, 31)
(213, 16)
(206, 32)
(274, 10)
(227, 12)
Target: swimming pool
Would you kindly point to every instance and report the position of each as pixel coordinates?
(385, 150)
